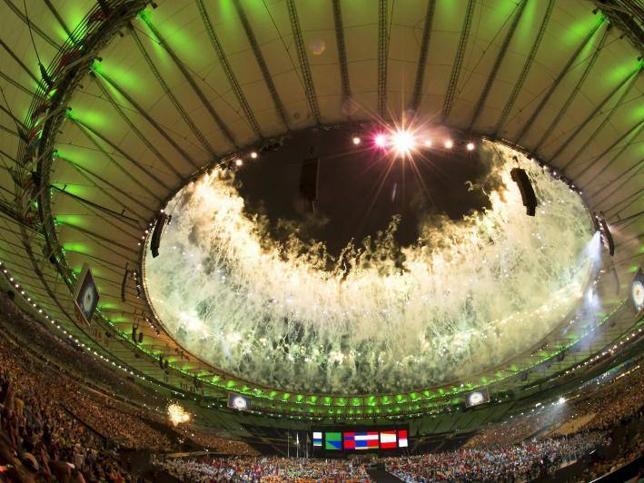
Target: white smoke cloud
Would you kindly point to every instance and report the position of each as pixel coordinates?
(466, 297)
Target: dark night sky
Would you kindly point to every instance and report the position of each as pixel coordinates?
(350, 205)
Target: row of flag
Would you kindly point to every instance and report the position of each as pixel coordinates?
(361, 440)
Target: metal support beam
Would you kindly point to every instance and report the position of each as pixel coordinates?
(553, 87)
(193, 84)
(166, 89)
(119, 150)
(305, 69)
(9, 131)
(569, 100)
(89, 175)
(22, 65)
(619, 186)
(228, 71)
(342, 51)
(136, 130)
(126, 172)
(30, 24)
(150, 119)
(635, 130)
(383, 55)
(16, 121)
(497, 64)
(609, 163)
(634, 216)
(601, 125)
(261, 62)
(458, 61)
(19, 86)
(109, 241)
(509, 105)
(422, 56)
(632, 197)
(131, 222)
(636, 167)
(60, 19)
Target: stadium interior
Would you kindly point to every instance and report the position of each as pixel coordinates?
(321, 240)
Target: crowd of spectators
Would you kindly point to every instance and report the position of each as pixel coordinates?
(61, 352)
(600, 405)
(39, 437)
(513, 430)
(266, 469)
(218, 444)
(633, 450)
(612, 402)
(55, 428)
(522, 461)
(127, 430)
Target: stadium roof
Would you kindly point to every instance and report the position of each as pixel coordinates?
(109, 108)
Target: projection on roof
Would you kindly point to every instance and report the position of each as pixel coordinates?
(468, 295)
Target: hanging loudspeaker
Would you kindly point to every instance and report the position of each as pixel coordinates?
(309, 179)
(124, 283)
(520, 177)
(156, 235)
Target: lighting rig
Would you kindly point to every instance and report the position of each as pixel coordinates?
(403, 142)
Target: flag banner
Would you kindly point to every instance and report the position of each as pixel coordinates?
(333, 441)
(388, 439)
(402, 438)
(317, 439)
(349, 440)
(367, 440)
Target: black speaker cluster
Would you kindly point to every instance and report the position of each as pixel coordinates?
(520, 177)
(156, 234)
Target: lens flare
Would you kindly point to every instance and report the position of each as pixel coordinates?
(403, 143)
(380, 140)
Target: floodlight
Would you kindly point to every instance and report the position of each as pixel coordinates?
(403, 142)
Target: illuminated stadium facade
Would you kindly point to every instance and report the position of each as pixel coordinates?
(146, 110)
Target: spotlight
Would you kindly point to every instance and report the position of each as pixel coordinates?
(561, 400)
(356, 140)
(254, 155)
(428, 143)
(238, 402)
(470, 146)
(449, 144)
(239, 162)
(403, 142)
(380, 140)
